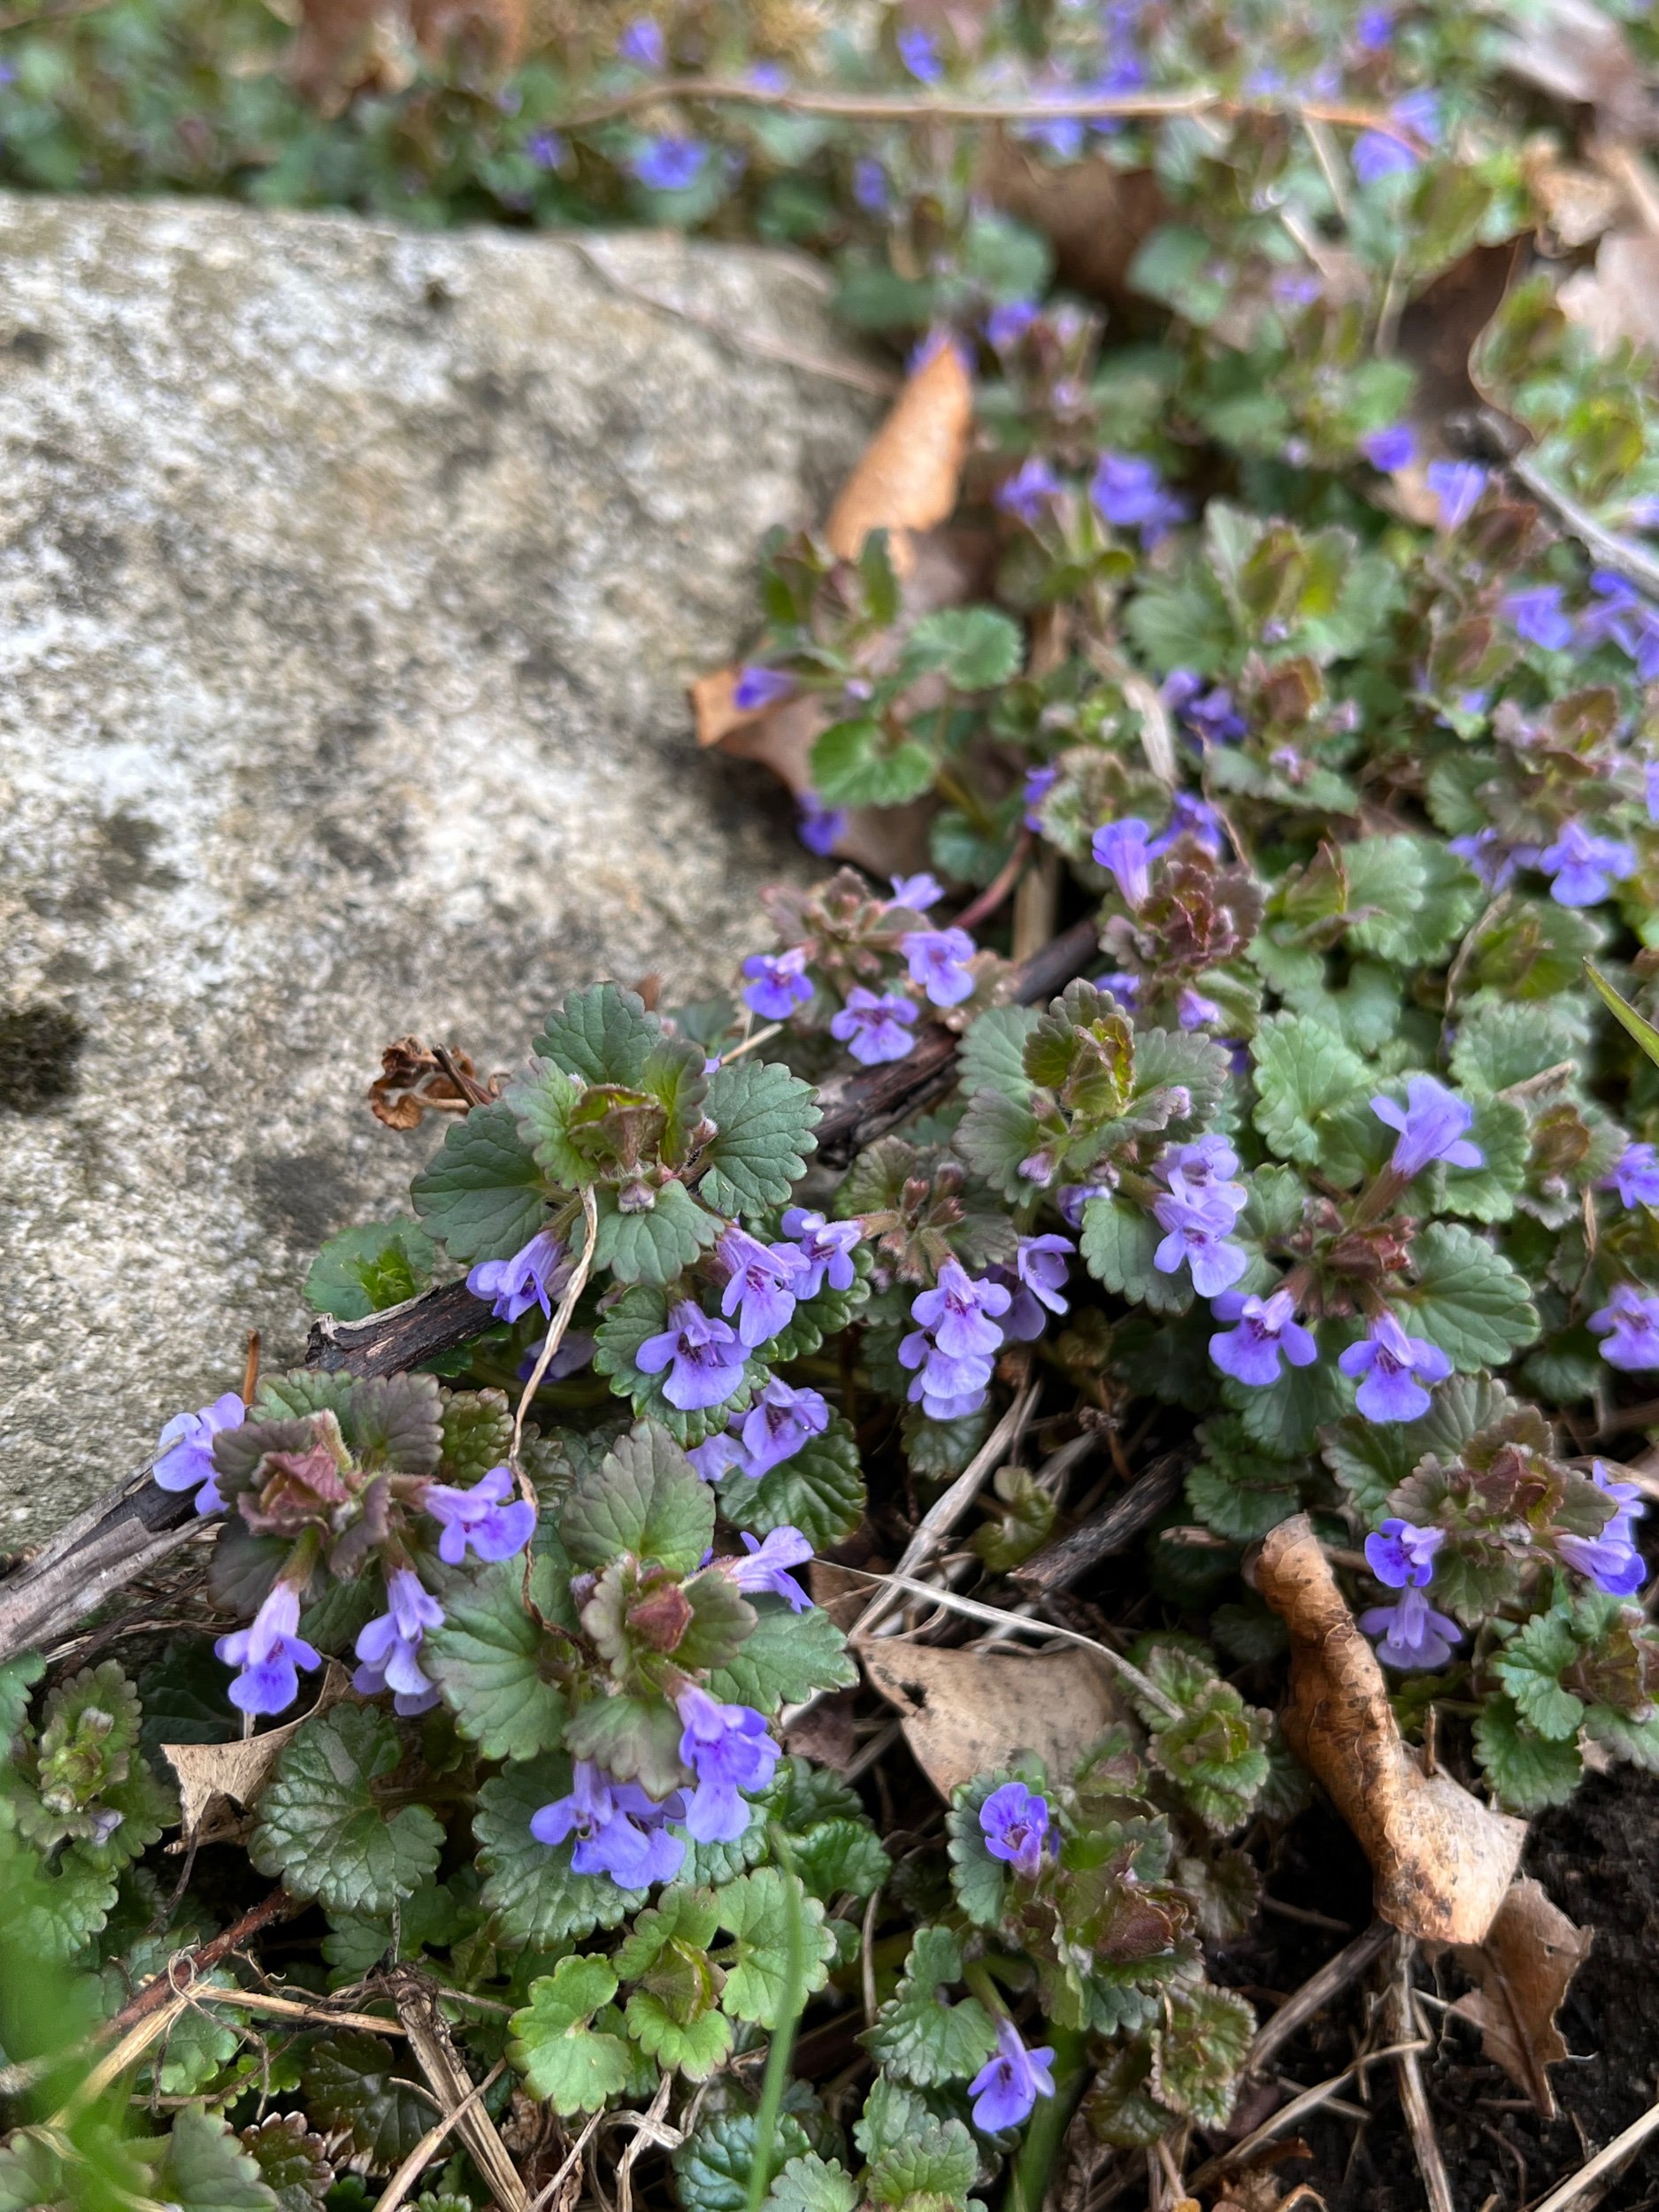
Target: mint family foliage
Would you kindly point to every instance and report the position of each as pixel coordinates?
(1329, 1169)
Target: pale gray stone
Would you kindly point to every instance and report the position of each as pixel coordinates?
(348, 586)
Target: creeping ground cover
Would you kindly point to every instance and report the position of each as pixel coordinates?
(858, 1533)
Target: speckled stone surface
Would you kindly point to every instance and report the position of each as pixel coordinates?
(349, 581)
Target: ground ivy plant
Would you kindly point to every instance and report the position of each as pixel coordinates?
(1331, 1169)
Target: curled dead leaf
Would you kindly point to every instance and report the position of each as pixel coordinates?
(240, 1770)
(1578, 54)
(909, 475)
(1530, 1955)
(1618, 298)
(885, 841)
(414, 1081)
(1442, 1861)
(1096, 215)
(969, 1712)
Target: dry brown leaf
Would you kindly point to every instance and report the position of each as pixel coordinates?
(1578, 205)
(908, 476)
(347, 47)
(1530, 1955)
(1618, 298)
(967, 1712)
(240, 1769)
(887, 840)
(1576, 52)
(1094, 216)
(1442, 1861)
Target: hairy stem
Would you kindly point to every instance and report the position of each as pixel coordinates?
(782, 2042)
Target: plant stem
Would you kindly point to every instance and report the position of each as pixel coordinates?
(782, 2042)
(1029, 2182)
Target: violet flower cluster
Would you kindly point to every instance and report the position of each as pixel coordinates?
(963, 1323)
(1197, 1214)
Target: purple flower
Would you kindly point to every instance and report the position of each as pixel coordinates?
(1630, 1321)
(1431, 1124)
(727, 1748)
(1419, 111)
(1403, 1555)
(576, 1348)
(916, 893)
(1039, 783)
(766, 1568)
(1210, 714)
(716, 1456)
(1266, 1328)
(1193, 1010)
(184, 1450)
(1008, 322)
(1121, 848)
(535, 1276)
(1609, 1558)
(1193, 817)
(761, 1290)
(870, 189)
(1007, 2086)
(269, 1654)
(946, 1388)
(1376, 156)
(1208, 1163)
(1584, 866)
(959, 1314)
(670, 164)
(642, 43)
(1621, 613)
(1393, 1367)
(951, 1350)
(545, 149)
(1125, 988)
(1014, 1822)
(1395, 447)
(920, 54)
(1041, 1264)
(1458, 486)
(704, 1359)
(389, 1646)
(1026, 493)
(874, 1029)
(488, 1516)
(619, 1830)
(826, 1247)
(769, 76)
(1195, 1224)
(1634, 1176)
(777, 983)
(1374, 29)
(1412, 1634)
(1539, 617)
(780, 1421)
(1650, 789)
(938, 961)
(1071, 1198)
(756, 687)
(1490, 855)
(1128, 491)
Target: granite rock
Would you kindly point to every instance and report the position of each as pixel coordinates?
(349, 585)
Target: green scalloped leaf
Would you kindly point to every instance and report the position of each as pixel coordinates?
(483, 1197)
(321, 1830)
(820, 1491)
(766, 1116)
(562, 2059)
